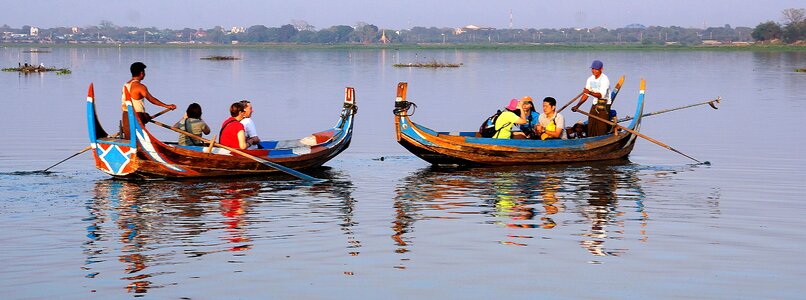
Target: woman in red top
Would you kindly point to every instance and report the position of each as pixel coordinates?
(232, 133)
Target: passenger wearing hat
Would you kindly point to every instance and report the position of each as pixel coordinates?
(597, 86)
(527, 130)
(504, 123)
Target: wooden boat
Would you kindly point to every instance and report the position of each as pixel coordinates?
(468, 148)
(142, 156)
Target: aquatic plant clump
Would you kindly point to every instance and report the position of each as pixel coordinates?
(432, 64)
(214, 57)
(38, 69)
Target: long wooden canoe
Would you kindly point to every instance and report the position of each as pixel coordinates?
(142, 156)
(468, 148)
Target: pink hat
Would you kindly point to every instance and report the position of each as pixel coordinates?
(513, 104)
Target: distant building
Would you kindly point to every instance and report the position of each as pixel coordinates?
(75, 30)
(635, 26)
(235, 30)
(471, 28)
(34, 31)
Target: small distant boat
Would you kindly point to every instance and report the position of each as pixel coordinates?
(142, 156)
(468, 148)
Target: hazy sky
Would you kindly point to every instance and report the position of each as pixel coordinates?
(177, 14)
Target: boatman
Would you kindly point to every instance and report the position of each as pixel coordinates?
(138, 93)
(598, 87)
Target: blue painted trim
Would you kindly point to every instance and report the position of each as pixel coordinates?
(113, 143)
(133, 126)
(639, 110)
(91, 120)
(552, 143)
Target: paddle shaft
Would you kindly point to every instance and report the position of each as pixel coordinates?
(276, 166)
(569, 102)
(709, 102)
(161, 113)
(638, 134)
(90, 147)
(71, 156)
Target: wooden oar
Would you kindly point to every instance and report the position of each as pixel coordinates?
(270, 164)
(569, 103)
(90, 147)
(64, 160)
(160, 113)
(641, 135)
(709, 102)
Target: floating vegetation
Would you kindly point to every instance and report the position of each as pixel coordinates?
(216, 57)
(38, 69)
(802, 70)
(432, 64)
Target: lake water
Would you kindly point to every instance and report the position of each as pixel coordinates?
(389, 226)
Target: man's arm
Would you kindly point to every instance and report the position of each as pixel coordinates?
(153, 99)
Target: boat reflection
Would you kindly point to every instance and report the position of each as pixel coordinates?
(527, 203)
(153, 227)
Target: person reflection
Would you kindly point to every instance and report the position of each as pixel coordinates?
(234, 207)
(602, 208)
(132, 223)
(548, 188)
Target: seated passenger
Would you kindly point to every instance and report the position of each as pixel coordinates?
(551, 123)
(192, 123)
(527, 130)
(503, 125)
(232, 131)
(578, 131)
(249, 127)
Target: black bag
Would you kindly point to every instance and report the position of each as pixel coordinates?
(487, 129)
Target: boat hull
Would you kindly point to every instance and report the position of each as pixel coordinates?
(142, 156)
(466, 148)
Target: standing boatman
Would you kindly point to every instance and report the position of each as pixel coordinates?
(138, 92)
(597, 86)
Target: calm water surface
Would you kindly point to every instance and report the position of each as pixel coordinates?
(387, 224)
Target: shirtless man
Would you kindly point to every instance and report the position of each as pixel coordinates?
(138, 92)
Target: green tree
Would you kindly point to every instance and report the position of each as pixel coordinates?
(342, 32)
(795, 32)
(286, 32)
(257, 34)
(795, 29)
(767, 31)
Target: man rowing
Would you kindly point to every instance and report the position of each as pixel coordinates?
(138, 92)
(597, 86)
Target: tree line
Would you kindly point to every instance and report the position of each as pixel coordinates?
(793, 29)
(300, 32)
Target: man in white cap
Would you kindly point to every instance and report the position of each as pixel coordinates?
(598, 86)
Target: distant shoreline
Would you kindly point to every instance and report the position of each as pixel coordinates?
(570, 47)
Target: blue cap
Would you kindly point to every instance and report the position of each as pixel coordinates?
(597, 65)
